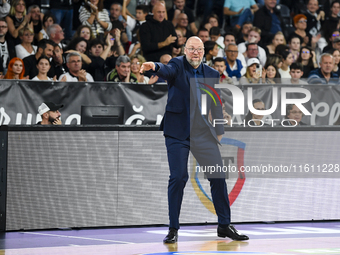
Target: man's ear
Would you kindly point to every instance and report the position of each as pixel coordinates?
(45, 115)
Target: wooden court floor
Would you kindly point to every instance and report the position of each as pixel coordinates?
(279, 238)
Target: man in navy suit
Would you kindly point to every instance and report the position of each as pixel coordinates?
(185, 129)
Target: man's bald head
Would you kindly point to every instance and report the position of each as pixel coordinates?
(194, 51)
(159, 12)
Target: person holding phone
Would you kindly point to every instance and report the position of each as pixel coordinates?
(253, 73)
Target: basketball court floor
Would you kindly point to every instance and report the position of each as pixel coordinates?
(266, 238)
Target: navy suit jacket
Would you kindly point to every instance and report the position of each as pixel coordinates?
(177, 118)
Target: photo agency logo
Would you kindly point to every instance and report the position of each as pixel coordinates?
(204, 97)
(239, 103)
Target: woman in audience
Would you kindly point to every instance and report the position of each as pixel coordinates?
(336, 56)
(16, 20)
(294, 47)
(26, 48)
(48, 20)
(278, 39)
(287, 61)
(85, 32)
(93, 14)
(211, 51)
(270, 74)
(16, 69)
(253, 73)
(43, 65)
(79, 44)
(307, 59)
(136, 63)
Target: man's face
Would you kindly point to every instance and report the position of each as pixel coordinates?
(3, 28)
(194, 51)
(48, 51)
(182, 20)
(220, 67)
(258, 106)
(228, 39)
(335, 9)
(74, 64)
(327, 64)
(59, 34)
(253, 37)
(204, 36)
(296, 74)
(159, 12)
(295, 114)
(232, 52)
(53, 115)
(115, 11)
(140, 15)
(246, 28)
(124, 69)
(58, 55)
(253, 51)
(165, 59)
(313, 6)
(214, 38)
(336, 45)
(179, 4)
(35, 14)
(96, 50)
(213, 22)
(270, 4)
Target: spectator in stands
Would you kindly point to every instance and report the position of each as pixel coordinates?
(16, 69)
(274, 59)
(294, 47)
(278, 39)
(324, 74)
(203, 34)
(56, 34)
(329, 41)
(268, 19)
(154, 45)
(287, 58)
(179, 7)
(252, 74)
(36, 19)
(48, 20)
(85, 32)
(79, 44)
(7, 50)
(212, 21)
(136, 63)
(293, 116)
(4, 9)
(215, 36)
(240, 11)
(45, 47)
(252, 119)
(300, 23)
(211, 51)
(243, 35)
(94, 15)
(164, 59)
(98, 54)
(122, 72)
(16, 20)
(182, 25)
(253, 52)
(43, 66)
(230, 38)
(296, 71)
(75, 71)
(176, 52)
(254, 36)
(270, 74)
(331, 22)
(49, 113)
(313, 17)
(336, 55)
(219, 65)
(234, 66)
(63, 12)
(308, 60)
(26, 48)
(115, 11)
(58, 63)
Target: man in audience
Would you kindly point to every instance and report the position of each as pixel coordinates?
(155, 44)
(75, 73)
(215, 36)
(179, 7)
(203, 34)
(36, 18)
(313, 18)
(296, 71)
(165, 59)
(122, 72)
(324, 74)
(49, 113)
(230, 38)
(234, 66)
(219, 65)
(56, 34)
(253, 52)
(58, 63)
(45, 48)
(7, 50)
(240, 11)
(243, 36)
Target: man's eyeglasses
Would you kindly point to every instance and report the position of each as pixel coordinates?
(233, 51)
(192, 50)
(3, 27)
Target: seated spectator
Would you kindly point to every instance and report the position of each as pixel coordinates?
(16, 70)
(48, 20)
(43, 66)
(215, 36)
(219, 65)
(122, 72)
(281, 48)
(164, 59)
(294, 47)
(203, 34)
(254, 36)
(45, 47)
(336, 55)
(56, 34)
(182, 25)
(211, 51)
(308, 61)
(136, 63)
(58, 63)
(277, 40)
(252, 51)
(293, 116)
(314, 16)
(240, 11)
(234, 66)
(324, 74)
(93, 14)
(270, 74)
(329, 41)
(251, 76)
(287, 58)
(243, 34)
(253, 119)
(296, 71)
(4, 10)
(75, 71)
(36, 19)
(275, 60)
(230, 38)
(212, 21)
(50, 114)
(85, 32)
(331, 22)
(300, 23)
(268, 19)
(78, 44)
(180, 7)
(26, 48)
(7, 49)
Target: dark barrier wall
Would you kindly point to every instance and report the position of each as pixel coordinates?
(107, 176)
(145, 104)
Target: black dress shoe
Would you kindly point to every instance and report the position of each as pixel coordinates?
(172, 236)
(231, 232)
